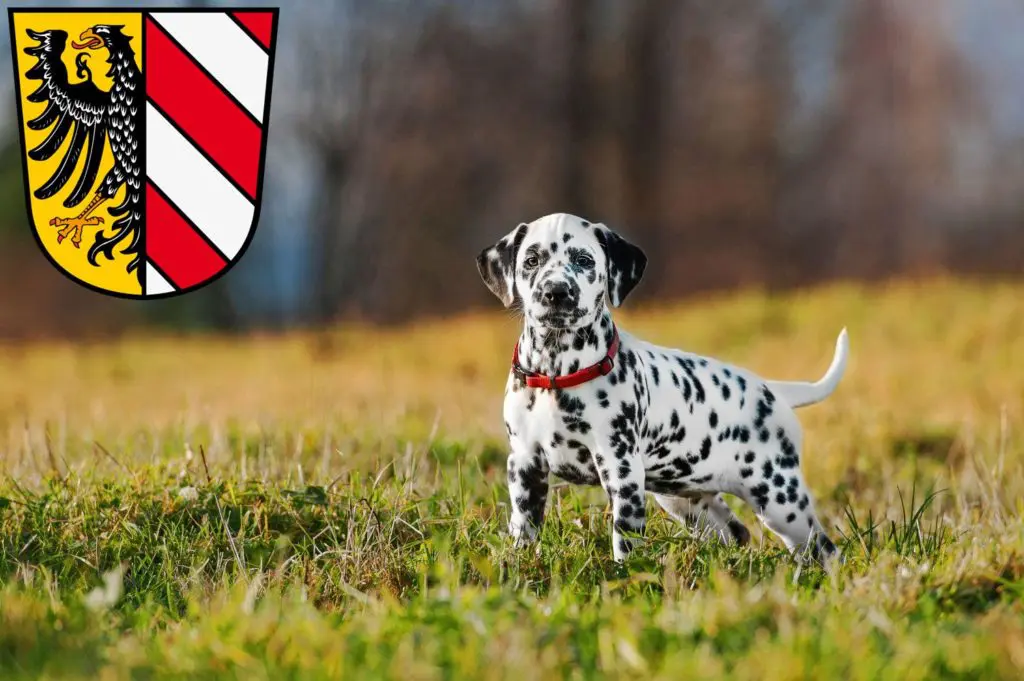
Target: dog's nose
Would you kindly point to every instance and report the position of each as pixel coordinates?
(557, 295)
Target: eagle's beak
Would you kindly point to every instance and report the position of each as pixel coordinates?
(90, 41)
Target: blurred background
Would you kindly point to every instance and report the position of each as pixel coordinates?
(759, 143)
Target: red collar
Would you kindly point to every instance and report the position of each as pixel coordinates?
(536, 380)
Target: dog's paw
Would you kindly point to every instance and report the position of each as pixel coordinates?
(522, 536)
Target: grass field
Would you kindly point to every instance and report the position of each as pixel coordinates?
(333, 505)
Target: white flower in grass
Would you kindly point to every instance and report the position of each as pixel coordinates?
(188, 493)
(106, 596)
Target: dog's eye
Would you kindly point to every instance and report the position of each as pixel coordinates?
(532, 261)
(583, 260)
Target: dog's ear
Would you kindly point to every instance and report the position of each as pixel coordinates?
(497, 265)
(626, 264)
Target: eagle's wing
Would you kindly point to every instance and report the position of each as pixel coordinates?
(81, 106)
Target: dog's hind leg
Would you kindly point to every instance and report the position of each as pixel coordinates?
(784, 505)
(706, 511)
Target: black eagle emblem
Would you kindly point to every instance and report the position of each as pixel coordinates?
(91, 117)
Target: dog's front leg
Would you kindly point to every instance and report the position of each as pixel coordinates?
(528, 490)
(623, 481)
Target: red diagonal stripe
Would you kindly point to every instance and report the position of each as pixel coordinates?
(201, 109)
(173, 244)
(260, 24)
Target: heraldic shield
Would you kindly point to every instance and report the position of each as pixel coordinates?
(144, 137)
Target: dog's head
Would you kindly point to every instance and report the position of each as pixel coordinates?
(560, 268)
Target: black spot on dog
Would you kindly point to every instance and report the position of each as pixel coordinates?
(713, 419)
(629, 490)
(685, 470)
(705, 449)
(791, 517)
(749, 457)
(576, 476)
(759, 494)
(789, 458)
(764, 410)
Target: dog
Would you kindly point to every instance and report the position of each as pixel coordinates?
(593, 405)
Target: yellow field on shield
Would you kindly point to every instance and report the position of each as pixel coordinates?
(111, 275)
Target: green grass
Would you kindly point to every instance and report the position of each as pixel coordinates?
(328, 507)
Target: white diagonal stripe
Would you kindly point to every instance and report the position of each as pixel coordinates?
(155, 283)
(195, 186)
(225, 50)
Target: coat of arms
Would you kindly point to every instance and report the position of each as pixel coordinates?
(144, 136)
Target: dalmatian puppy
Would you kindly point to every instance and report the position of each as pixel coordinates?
(594, 405)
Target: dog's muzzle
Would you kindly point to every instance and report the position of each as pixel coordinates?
(558, 296)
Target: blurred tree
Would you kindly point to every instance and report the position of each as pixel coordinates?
(643, 138)
(728, 96)
(577, 17)
(887, 154)
(340, 66)
(12, 190)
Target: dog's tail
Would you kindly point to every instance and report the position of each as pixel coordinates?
(801, 393)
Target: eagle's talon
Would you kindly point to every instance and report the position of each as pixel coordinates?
(72, 227)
